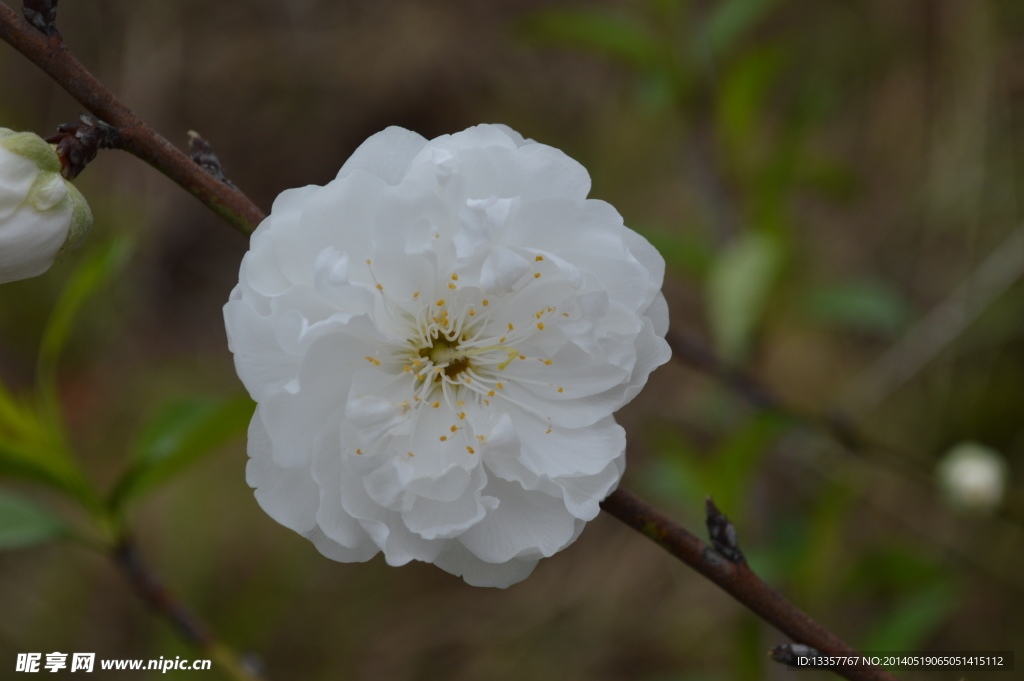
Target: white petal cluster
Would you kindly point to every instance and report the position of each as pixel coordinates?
(40, 212)
(437, 341)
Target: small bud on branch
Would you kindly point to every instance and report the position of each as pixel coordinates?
(77, 143)
(722, 533)
(42, 14)
(202, 154)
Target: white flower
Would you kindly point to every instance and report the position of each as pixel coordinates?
(437, 340)
(40, 212)
(973, 476)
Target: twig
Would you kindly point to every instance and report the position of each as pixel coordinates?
(736, 578)
(135, 136)
(942, 326)
(733, 575)
(701, 358)
(160, 601)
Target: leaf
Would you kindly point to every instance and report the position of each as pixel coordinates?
(731, 19)
(180, 435)
(29, 451)
(684, 252)
(914, 618)
(609, 35)
(95, 269)
(23, 523)
(866, 306)
(735, 460)
(741, 97)
(737, 290)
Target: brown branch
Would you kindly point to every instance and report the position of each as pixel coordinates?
(135, 136)
(699, 357)
(735, 578)
(155, 595)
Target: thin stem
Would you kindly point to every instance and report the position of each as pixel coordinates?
(145, 583)
(736, 579)
(135, 136)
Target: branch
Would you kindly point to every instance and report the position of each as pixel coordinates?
(702, 359)
(732, 574)
(735, 578)
(127, 559)
(135, 136)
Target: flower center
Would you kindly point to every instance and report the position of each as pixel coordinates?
(444, 352)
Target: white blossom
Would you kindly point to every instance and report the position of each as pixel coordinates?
(41, 213)
(973, 477)
(437, 340)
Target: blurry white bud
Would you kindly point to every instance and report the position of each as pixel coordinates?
(973, 476)
(41, 213)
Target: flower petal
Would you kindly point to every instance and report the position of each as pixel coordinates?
(526, 524)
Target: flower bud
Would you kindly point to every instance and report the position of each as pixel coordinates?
(973, 477)
(41, 213)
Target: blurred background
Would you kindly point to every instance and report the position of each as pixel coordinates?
(837, 189)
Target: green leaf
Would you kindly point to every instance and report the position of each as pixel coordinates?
(737, 290)
(685, 252)
(609, 35)
(178, 436)
(731, 19)
(913, 619)
(28, 450)
(96, 268)
(23, 523)
(734, 463)
(741, 98)
(866, 306)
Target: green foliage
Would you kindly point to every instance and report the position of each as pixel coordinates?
(686, 252)
(732, 19)
(737, 291)
(23, 523)
(95, 269)
(865, 306)
(683, 473)
(914, 617)
(179, 435)
(29, 449)
(742, 98)
(617, 37)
